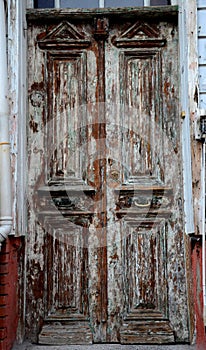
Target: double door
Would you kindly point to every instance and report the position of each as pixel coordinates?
(105, 250)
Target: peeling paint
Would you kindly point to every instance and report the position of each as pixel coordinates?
(106, 247)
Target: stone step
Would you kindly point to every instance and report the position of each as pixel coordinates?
(147, 332)
(65, 334)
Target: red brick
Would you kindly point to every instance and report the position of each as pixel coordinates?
(3, 311)
(4, 279)
(3, 322)
(198, 295)
(3, 333)
(3, 345)
(4, 288)
(3, 299)
(6, 248)
(4, 258)
(4, 268)
(8, 290)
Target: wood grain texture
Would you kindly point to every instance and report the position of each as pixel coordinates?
(105, 243)
(153, 12)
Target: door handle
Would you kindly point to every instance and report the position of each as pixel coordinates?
(142, 205)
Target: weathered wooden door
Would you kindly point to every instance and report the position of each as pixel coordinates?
(105, 250)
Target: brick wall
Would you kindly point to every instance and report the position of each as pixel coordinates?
(8, 292)
(198, 293)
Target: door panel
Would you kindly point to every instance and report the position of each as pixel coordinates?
(68, 91)
(140, 181)
(105, 250)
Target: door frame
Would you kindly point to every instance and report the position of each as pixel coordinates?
(18, 109)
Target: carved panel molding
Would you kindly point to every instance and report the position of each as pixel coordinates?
(62, 37)
(140, 35)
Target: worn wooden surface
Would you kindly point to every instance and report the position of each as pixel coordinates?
(195, 103)
(61, 14)
(105, 238)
